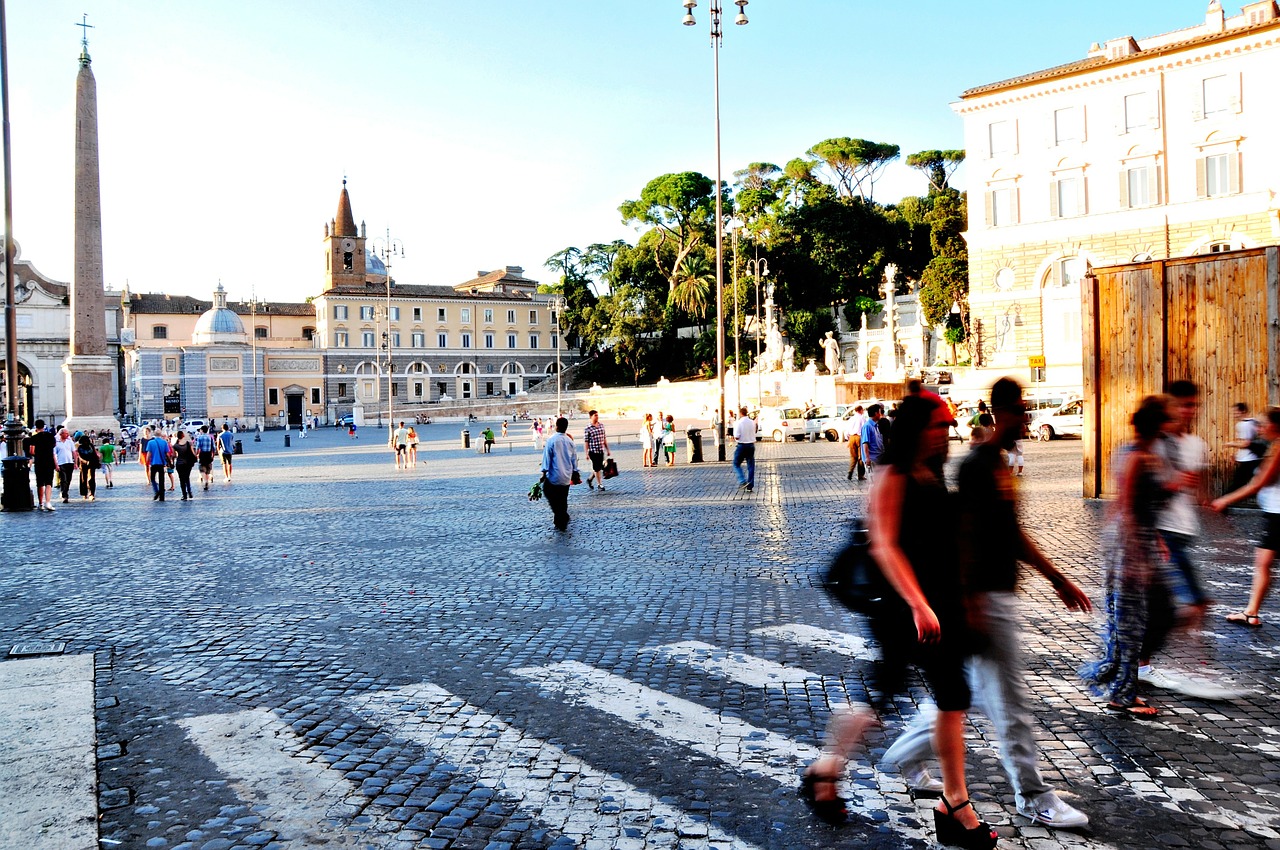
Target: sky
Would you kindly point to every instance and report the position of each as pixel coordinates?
(477, 134)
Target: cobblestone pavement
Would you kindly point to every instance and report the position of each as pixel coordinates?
(330, 653)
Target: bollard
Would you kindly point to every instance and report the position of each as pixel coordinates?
(466, 438)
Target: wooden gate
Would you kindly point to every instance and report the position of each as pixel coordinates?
(1212, 319)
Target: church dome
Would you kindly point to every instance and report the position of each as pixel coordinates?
(219, 324)
(373, 265)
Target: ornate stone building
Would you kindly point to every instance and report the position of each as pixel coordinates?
(1144, 149)
(44, 338)
(364, 336)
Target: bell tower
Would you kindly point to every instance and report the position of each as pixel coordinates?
(344, 247)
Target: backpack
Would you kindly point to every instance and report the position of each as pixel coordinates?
(1258, 446)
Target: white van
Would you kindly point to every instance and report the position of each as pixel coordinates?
(1066, 420)
(779, 423)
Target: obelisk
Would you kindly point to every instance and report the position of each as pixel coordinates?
(88, 366)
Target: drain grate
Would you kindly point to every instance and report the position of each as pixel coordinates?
(38, 647)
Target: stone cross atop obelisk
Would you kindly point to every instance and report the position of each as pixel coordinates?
(88, 366)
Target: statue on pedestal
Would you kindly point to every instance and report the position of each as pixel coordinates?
(831, 356)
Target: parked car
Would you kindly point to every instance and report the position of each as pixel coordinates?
(822, 422)
(193, 425)
(1066, 420)
(779, 423)
(345, 421)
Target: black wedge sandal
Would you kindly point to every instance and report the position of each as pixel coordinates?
(952, 833)
(831, 811)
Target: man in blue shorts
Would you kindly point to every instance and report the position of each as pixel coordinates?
(226, 446)
(204, 455)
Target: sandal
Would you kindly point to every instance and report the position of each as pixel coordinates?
(1140, 710)
(952, 833)
(831, 811)
(1242, 618)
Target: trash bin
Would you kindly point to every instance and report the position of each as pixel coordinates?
(466, 438)
(695, 444)
(238, 448)
(286, 439)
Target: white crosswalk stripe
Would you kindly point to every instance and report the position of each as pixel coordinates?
(817, 638)
(735, 742)
(588, 803)
(271, 768)
(737, 666)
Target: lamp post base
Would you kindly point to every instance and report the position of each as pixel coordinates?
(17, 472)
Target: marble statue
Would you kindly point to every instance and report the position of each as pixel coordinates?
(831, 357)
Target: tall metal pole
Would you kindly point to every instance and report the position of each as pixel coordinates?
(17, 481)
(716, 34)
(737, 328)
(557, 304)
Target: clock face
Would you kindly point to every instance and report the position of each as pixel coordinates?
(348, 244)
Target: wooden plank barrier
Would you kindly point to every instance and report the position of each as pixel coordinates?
(1212, 319)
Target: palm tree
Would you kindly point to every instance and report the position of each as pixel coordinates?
(693, 284)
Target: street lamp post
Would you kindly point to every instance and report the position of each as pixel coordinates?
(557, 307)
(737, 328)
(387, 248)
(258, 401)
(758, 268)
(17, 478)
(717, 33)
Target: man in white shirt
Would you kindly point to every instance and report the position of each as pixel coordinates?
(400, 443)
(1179, 522)
(559, 466)
(744, 434)
(1247, 461)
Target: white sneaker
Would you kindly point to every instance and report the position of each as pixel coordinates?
(1216, 687)
(1050, 811)
(1157, 678)
(922, 782)
(600, 488)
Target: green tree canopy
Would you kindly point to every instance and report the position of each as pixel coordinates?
(938, 166)
(855, 164)
(680, 209)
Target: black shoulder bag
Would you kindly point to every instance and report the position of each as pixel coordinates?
(855, 580)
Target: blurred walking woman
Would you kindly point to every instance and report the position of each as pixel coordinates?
(184, 458)
(1139, 612)
(88, 460)
(1266, 485)
(929, 627)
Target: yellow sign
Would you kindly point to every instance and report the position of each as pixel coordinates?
(1036, 362)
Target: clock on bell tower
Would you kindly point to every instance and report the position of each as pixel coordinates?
(344, 247)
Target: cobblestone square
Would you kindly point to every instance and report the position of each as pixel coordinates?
(328, 652)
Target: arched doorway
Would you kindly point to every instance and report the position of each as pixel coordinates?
(25, 396)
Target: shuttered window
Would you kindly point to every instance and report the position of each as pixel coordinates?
(1218, 175)
(1140, 186)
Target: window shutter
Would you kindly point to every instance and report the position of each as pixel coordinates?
(988, 199)
(1084, 123)
(1237, 104)
(1017, 136)
(1082, 195)
(1016, 204)
(1153, 185)
(1124, 189)
(1233, 169)
(1202, 178)
(1054, 211)
(1154, 119)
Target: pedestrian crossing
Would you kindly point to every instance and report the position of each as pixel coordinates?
(276, 771)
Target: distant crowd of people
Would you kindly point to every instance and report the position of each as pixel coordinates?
(58, 457)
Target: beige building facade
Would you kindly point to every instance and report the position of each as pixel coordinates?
(366, 342)
(1145, 149)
